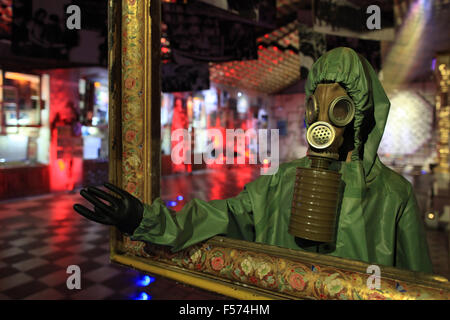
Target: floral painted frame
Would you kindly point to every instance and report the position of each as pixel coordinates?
(235, 268)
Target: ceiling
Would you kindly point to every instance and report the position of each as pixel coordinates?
(277, 66)
(423, 31)
(278, 63)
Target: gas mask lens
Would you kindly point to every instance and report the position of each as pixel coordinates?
(341, 111)
(312, 109)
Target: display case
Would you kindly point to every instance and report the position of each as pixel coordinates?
(94, 103)
(20, 118)
(94, 111)
(24, 140)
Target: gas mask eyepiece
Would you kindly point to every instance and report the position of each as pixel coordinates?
(342, 111)
(312, 109)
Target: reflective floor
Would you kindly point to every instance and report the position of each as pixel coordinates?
(41, 236)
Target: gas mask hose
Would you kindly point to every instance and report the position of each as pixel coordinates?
(313, 212)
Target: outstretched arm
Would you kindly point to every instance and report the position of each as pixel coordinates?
(197, 221)
(155, 223)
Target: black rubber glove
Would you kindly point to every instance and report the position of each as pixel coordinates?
(124, 212)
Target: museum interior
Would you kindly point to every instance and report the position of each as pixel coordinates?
(71, 110)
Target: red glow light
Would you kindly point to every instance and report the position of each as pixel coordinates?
(61, 165)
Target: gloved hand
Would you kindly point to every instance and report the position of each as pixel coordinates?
(125, 212)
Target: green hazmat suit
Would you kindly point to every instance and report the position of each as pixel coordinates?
(378, 219)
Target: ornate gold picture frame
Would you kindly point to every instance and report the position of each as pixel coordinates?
(234, 268)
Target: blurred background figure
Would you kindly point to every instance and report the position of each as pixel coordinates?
(66, 129)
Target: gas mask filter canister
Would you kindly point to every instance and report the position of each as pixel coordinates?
(316, 189)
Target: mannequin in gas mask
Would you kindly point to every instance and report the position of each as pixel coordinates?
(370, 213)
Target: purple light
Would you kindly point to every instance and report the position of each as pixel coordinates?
(172, 203)
(433, 64)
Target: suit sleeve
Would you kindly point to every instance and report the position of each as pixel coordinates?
(197, 221)
(412, 248)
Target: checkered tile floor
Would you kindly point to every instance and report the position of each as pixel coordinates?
(41, 236)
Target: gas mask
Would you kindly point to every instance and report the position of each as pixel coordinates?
(328, 111)
(313, 215)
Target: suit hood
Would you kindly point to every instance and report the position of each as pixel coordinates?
(354, 73)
